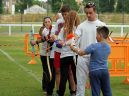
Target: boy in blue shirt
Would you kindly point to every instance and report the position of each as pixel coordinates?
(98, 67)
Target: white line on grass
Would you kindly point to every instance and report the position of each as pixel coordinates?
(22, 67)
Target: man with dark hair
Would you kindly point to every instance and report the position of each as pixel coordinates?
(65, 10)
(86, 33)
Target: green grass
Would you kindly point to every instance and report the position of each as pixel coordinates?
(14, 79)
(17, 78)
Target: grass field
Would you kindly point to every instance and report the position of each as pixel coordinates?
(17, 78)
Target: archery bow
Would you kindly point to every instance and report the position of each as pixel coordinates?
(125, 37)
(47, 54)
(48, 64)
(31, 40)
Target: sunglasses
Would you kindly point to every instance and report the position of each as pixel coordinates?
(90, 4)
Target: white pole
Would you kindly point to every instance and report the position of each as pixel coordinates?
(9, 30)
(122, 30)
(33, 29)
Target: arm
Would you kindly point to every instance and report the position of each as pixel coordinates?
(78, 34)
(36, 42)
(78, 51)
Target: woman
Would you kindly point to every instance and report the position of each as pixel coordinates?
(67, 56)
(45, 32)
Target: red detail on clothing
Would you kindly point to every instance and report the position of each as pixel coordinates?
(60, 25)
(70, 36)
(49, 32)
(57, 60)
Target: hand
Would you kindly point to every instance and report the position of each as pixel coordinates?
(61, 42)
(57, 44)
(54, 37)
(72, 48)
(70, 42)
(32, 42)
(46, 38)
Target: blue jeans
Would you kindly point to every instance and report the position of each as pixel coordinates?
(100, 81)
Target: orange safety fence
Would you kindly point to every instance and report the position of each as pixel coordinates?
(120, 39)
(119, 58)
(28, 50)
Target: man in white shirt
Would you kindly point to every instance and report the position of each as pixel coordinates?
(86, 33)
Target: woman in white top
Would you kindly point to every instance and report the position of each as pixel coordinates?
(67, 56)
(45, 32)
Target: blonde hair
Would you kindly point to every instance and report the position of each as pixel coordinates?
(72, 20)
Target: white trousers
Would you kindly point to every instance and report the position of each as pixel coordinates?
(82, 72)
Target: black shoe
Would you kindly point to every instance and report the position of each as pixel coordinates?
(72, 93)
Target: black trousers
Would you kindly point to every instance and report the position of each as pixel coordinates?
(64, 69)
(48, 84)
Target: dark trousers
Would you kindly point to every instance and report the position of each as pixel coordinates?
(100, 81)
(45, 77)
(64, 69)
(73, 68)
(48, 84)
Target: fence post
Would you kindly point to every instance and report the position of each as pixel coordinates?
(122, 30)
(9, 30)
(33, 29)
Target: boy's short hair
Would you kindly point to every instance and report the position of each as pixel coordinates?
(104, 31)
(65, 8)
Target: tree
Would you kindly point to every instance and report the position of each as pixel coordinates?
(126, 6)
(119, 7)
(56, 4)
(22, 4)
(104, 5)
(1, 7)
(72, 3)
(122, 6)
(111, 5)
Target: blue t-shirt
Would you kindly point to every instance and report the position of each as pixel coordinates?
(99, 55)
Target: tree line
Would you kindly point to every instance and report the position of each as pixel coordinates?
(111, 5)
(117, 6)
